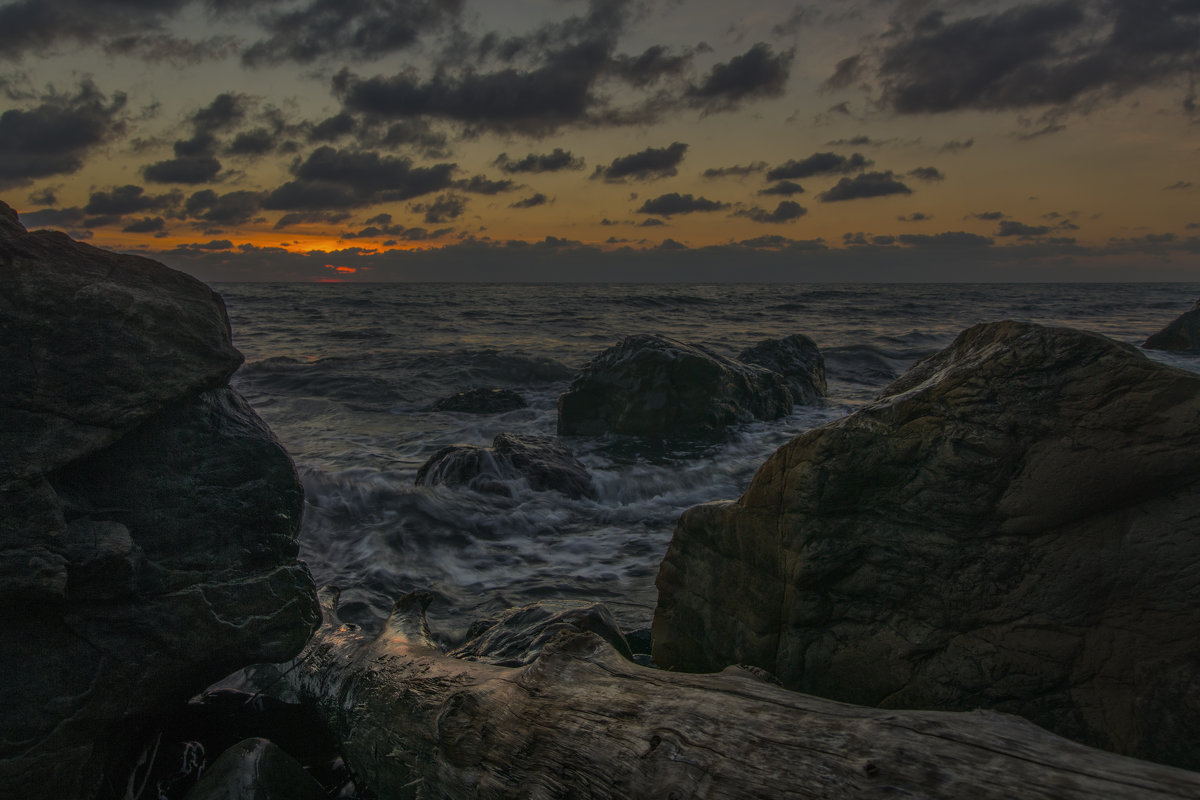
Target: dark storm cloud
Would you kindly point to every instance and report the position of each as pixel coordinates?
(987, 216)
(44, 197)
(173, 50)
(55, 136)
(650, 164)
(129, 200)
(855, 141)
(331, 178)
(443, 209)
(1048, 53)
(869, 184)
(819, 164)
(214, 245)
(332, 128)
(40, 25)
(926, 174)
(759, 72)
(311, 217)
(1010, 227)
(1179, 185)
(783, 189)
(845, 74)
(255, 142)
(53, 218)
(532, 201)
(555, 161)
(185, 169)
(651, 222)
(232, 208)
(736, 171)
(652, 65)
(347, 29)
(674, 203)
(146, 225)
(947, 239)
(480, 184)
(225, 110)
(916, 216)
(786, 211)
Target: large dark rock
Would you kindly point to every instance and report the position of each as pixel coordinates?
(482, 400)
(1182, 334)
(798, 359)
(658, 387)
(517, 636)
(542, 462)
(148, 517)
(1012, 525)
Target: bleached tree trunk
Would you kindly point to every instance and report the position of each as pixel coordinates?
(582, 722)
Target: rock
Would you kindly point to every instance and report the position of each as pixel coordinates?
(1011, 525)
(517, 636)
(482, 401)
(1182, 334)
(798, 359)
(543, 462)
(658, 387)
(148, 517)
(255, 769)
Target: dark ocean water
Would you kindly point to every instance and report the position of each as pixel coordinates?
(344, 375)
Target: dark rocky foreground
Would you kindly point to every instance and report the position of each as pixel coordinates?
(1012, 525)
(148, 518)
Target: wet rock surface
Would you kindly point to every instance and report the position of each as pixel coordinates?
(482, 401)
(543, 462)
(658, 387)
(148, 517)
(798, 359)
(1011, 525)
(1182, 334)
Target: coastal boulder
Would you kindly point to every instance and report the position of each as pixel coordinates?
(654, 386)
(1182, 334)
(148, 517)
(482, 401)
(540, 461)
(798, 359)
(1011, 525)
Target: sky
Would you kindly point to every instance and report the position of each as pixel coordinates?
(611, 140)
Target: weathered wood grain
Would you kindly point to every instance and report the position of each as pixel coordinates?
(582, 722)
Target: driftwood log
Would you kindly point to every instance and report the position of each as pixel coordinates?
(583, 722)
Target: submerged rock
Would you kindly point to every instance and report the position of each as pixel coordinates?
(516, 637)
(1011, 525)
(148, 517)
(654, 386)
(798, 359)
(482, 401)
(543, 462)
(1182, 334)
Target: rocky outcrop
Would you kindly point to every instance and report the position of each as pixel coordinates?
(482, 400)
(258, 769)
(798, 359)
(542, 462)
(1182, 334)
(1011, 525)
(658, 387)
(148, 517)
(517, 636)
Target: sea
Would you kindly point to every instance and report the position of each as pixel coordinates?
(346, 374)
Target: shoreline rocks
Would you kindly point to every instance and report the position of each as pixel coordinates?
(148, 517)
(797, 359)
(482, 400)
(1182, 334)
(658, 387)
(1011, 525)
(543, 462)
